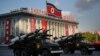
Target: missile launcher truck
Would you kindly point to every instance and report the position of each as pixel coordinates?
(75, 42)
(34, 44)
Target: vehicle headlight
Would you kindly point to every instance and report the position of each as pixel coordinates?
(38, 45)
(50, 48)
(59, 47)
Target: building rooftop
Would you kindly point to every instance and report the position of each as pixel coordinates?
(25, 11)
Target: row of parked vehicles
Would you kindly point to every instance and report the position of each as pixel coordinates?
(75, 42)
(37, 43)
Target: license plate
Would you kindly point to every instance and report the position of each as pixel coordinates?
(91, 48)
(38, 45)
(57, 51)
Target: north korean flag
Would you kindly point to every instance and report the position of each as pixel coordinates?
(53, 11)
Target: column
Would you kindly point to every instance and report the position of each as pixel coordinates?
(48, 26)
(56, 29)
(61, 29)
(64, 30)
(20, 26)
(70, 29)
(28, 23)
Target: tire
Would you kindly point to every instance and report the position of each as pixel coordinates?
(66, 51)
(72, 51)
(90, 52)
(17, 53)
(84, 51)
(45, 53)
(24, 53)
(56, 54)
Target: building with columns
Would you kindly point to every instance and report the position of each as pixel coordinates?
(25, 21)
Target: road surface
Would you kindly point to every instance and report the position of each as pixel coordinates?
(4, 51)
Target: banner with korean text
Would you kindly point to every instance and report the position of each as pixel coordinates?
(32, 24)
(7, 29)
(66, 29)
(44, 24)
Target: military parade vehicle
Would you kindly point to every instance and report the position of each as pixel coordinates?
(75, 42)
(96, 45)
(34, 44)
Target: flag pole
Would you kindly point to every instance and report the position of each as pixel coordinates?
(46, 7)
(46, 1)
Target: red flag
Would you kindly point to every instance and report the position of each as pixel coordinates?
(32, 24)
(44, 24)
(52, 10)
(7, 29)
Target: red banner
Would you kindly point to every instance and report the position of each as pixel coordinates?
(66, 29)
(73, 28)
(44, 24)
(7, 33)
(32, 24)
(52, 10)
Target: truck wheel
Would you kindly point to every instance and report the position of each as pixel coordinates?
(17, 53)
(24, 53)
(45, 53)
(66, 51)
(72, 51)
(56, 54)
(90, 52)
(84, 51)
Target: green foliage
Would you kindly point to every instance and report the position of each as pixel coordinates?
(89, 36)
(99, 37)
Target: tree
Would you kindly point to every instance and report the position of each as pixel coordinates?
(89, 36)
(97, 36)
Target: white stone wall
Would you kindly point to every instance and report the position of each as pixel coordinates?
(22, 25)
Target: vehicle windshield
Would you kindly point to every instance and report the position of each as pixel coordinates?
(51, 42)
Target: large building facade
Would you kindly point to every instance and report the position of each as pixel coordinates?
(23, 21)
